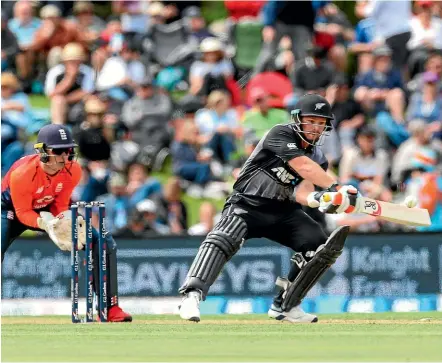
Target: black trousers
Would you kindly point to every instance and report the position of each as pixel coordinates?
(284, 223)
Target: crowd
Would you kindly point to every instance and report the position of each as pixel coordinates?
(150, 87)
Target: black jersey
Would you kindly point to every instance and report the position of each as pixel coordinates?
(267, 174)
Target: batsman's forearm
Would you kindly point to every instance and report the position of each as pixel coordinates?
(312, 172)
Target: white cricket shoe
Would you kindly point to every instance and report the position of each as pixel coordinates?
(190, 306)
(295, 315)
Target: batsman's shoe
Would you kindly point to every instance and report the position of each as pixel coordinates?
(295, 315)
(117, 315)
(190, 306)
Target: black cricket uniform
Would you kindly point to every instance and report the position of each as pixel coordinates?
(263, 195)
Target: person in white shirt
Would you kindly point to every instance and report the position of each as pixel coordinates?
(426, 35)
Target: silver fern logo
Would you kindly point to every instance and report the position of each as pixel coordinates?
(283, 175)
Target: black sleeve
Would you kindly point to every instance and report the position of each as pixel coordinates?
(281, 141)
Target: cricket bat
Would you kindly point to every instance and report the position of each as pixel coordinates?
(391, 212)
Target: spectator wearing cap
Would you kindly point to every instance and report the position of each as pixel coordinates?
(366, 167)
(88, 22)
(143, 221)
(94, 142)
(196, 25)
(331, 20)
(24, 25)
(68, 83)
(219, 125)
(157, 14)
(380, 89)
(391, 26)
(423, 180)
(426, 36)
(212, 71)
(15, 104)
(54, 34)
(147, 114)
(9, 45)
(171, 210)
(122, 73)
(262, 117)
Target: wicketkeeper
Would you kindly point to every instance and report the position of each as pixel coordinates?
(39, 187)
(264, 203)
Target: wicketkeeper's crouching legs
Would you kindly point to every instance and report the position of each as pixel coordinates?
(306, 270)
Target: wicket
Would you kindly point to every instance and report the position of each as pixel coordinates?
(102, 263)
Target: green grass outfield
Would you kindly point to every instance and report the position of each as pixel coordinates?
(346, 337)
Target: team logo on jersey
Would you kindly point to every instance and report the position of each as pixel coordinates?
(10, 215)
(43, 202)
(63, 134)
(59, 187)
(318, 106)
(283, 175)
(292, 145)
(40, 190)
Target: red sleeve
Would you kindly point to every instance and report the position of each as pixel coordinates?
(21, 195)
(62, 201)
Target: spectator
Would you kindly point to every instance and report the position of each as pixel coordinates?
(425, 36)
(171, 210)
(140, 185)
(313, 74)
(11, 146)
(366, 167)
(14, 104)
(147, 114)
(117, 203)
(364, 42)
(433, 65)
(262, 117)
(94, 142)
(54, 34)
(218, 124)
(94, 181)
(391, 25)
(403, 157)
(24, 26)
(349, 116)
(425, 183)
(331, 20)
(111, 42)
(146, 224)
(68, 83)
(238, 9)
(90, 24)
(133, 16)
(381, 88)
(121, 74)
(427, 105)
(207, 220)
(292, 18)
(10, 47)
(196, 25)
(188, 162)
(212, 71)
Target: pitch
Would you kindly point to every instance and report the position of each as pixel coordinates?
(344, 337)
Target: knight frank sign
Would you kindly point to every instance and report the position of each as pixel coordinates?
(371, 265)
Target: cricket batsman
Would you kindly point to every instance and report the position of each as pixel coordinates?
(264, 203)
(39, 187)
